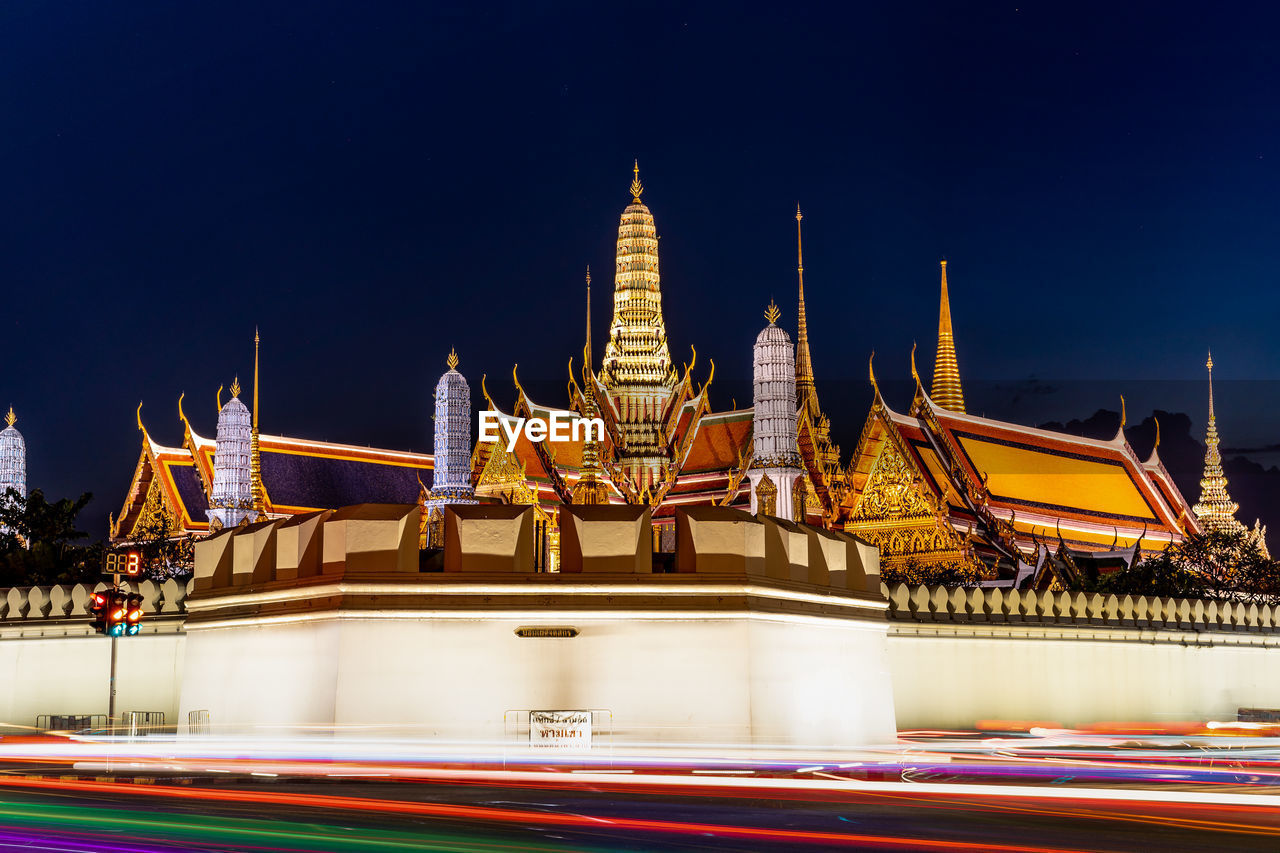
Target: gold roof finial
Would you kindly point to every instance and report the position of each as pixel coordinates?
(10, 418)
(235, 387)
(452, 360)
(636, 186)
(772, 313)
(140, 426)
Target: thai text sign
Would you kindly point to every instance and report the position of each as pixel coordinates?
(560, 729)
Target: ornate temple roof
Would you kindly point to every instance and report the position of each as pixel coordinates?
(1009, 484)
(298, 476)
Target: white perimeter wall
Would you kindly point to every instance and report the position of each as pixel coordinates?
(951, 677)
(71, 675)
(663, 679)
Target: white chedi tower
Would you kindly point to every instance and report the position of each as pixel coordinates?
(232, 500)
(775, 461)
(451, 447)
(13, 457)
(13, 460)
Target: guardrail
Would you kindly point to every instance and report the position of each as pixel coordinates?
(960, 604)
(71, 722)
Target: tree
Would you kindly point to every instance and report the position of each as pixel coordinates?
(1221, 566)
(165, 551)
(37, 541)
(913, 572)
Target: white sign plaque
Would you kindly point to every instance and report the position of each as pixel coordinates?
(560, 729)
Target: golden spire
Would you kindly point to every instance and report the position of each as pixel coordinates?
(255, 379)
(772, 313)
(636, 372)
(805, 388)
(946, 392)
(589, 489)
(255, 455)
(235, 387)
(452, 360)
(10, 419)
(1215, 510)
(636, 186)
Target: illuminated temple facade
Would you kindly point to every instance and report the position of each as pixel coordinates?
(931, 485)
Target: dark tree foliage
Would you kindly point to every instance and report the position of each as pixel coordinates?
(165, 551)
(38, 545)
(915, 573)
(1215, 566)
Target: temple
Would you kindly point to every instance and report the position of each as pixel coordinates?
(202, 485)
(13, 461)
(1215, 510)
(13, 457)
(937, 488)
(932, 486)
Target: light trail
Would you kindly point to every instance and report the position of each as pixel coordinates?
(495, 815)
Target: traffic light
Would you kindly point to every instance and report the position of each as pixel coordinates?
(133, 614)
(117, 613)
(98, 603)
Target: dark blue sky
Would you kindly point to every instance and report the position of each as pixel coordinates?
(374, 183)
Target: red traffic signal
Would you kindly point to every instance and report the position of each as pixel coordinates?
(116, 612)
(98, 603)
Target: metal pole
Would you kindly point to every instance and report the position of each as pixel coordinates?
(111, 700)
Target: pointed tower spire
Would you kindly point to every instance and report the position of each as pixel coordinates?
(589, 489)
(588, 354)
(255, 456)
(636, 369)
(805, 387)
(946, 391)
(1215, 510)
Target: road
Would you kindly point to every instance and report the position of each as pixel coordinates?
(1048, 791)
(256, 813)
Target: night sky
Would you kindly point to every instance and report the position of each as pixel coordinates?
(372, 184)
